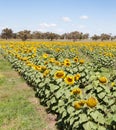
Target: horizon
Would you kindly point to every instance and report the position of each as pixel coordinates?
(63, 16)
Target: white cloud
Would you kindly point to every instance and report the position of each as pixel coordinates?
(84, 17)
(46, 25)
(66, 19)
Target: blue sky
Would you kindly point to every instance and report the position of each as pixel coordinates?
(59, 16)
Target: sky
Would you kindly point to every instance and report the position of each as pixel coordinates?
(59, 16)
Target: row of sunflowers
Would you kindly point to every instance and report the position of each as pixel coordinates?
(76, 81)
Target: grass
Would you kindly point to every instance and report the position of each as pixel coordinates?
(19, 109)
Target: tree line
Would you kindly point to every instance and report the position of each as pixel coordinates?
(8, 33)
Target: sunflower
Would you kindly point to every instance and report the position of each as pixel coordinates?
(76, 59)
(66, 60)
(37, 67)
(52, 60)
(76, 91)
(81, 61)
(103, 80)
(113, 84)
(67, 64)
(76, 105)
(69, 80)
(91, 102)
(77, 76)
(45, 55)
(58, 63)
(59, 74)
(46, 72)
(82, 102)
(43, 68)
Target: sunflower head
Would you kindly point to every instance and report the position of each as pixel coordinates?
(66, 60)
(76, 91)
(76, 59)
(69, 80)
(103, 80)
(92, 102)
(43, 68)
(52, 60)
(38, 68)
(57, 63)
(81, 61)
(81, 102)
(77, 76)
(45, 56)
(67, 64)
(59, 74)
(46, 72)
(113, 84)
(76, 105)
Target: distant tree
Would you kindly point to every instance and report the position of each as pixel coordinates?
(14, 35)
(37, 35)
(63, 36)
(6, 33)
(85, 36)
(105, 36)
(95, 37)
(24, 35)
(52, 36)
(75, 35)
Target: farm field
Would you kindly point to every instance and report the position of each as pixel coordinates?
(74, 80)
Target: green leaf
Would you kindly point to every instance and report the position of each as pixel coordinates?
(90, 126)
(53, 100)
(47, 92)
(70, 109)
(89, 87)
(99, 89)
(95, 83)
(71, 121)
(113, 108)
(64, 114)
(98, 117)
(83, 118)
(101, 128)
(101, 95)
(60, 103)
(53, 87)
(58, 94)
(41, 85)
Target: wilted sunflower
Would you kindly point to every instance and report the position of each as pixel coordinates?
(103, 80)
(76, 91)
(76, 105)
(92, 102)
(59, 74)
(69, 80)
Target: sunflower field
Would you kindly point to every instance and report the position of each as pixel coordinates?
(75, 80)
